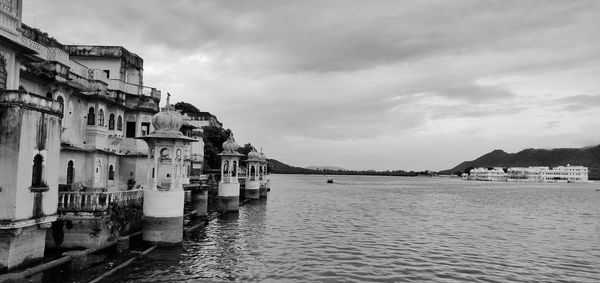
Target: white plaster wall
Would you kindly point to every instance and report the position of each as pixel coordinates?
(34, 87)
(163, 203)
(133, 76)
(10, 123)
(102, 63)
(253, 185)
(229, 189)
(138, 165)
(28, 149)
(82, 167)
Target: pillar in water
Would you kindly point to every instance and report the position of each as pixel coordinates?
(163, 217)
(164, 197)
(229, 186)
(253, 175)
(200, 200)
(264, 183)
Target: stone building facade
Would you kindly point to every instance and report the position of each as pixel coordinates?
(69, 119)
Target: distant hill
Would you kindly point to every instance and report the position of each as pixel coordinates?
(279, 167)
(333, 168)
(586, 156)
(282, 168)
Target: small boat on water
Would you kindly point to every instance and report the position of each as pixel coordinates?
(330, 180)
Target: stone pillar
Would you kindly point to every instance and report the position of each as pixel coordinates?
(264, 190)
(229, 187)
(163, 217)
(252, 189)
(200, 200)
(229, 197)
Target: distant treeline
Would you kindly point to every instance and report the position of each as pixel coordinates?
(278, 167)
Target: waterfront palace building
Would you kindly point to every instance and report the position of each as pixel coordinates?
(569, 173)
(69, 118)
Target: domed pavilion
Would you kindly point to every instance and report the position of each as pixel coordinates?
(164, 196)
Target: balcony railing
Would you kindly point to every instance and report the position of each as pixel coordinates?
(124, 86)
(97, 201)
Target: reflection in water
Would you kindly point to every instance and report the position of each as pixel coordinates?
(393, 229)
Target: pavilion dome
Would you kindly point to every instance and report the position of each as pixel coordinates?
(254, 154)
(167, 120)
(263, 156)
(230, 144)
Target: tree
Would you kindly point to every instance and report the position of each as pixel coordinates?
(214, 137)
(245, 150)
(468, 170)
(186, 108)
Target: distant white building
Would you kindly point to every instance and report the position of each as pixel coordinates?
(571, 174)
(488, 174)
(566, 174)
(525, 174)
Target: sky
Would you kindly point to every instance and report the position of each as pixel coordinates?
(382, 85)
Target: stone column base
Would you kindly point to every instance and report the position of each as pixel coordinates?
(163, 231)
(163, 217)
(228, 203)
(200, 201)
(264, 191)
(252, 194)
(21, 246)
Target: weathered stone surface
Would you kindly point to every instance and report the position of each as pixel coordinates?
(200, 202)
(163, 231)
(79, 232)
(252, 194)
(228, 203)
(264, 191)
(22, 248)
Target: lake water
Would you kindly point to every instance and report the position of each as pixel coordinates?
(393, 229)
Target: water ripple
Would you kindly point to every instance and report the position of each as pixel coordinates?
(385, 229)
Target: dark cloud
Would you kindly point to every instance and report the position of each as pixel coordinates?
(325, 36)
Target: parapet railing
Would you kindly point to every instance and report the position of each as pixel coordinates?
(97, 201)
(133, 88)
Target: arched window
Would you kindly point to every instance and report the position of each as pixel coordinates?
(234, 168)
(100, 117)
(119, 123)
(252, 171)
(91, 117)
(165, 154)
(36, 178)
(111, 121)
(70, 172)
(111, 172)
(226, 167)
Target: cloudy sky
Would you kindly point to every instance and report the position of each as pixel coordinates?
(363, 84)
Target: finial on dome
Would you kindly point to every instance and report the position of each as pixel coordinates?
(168, 106)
